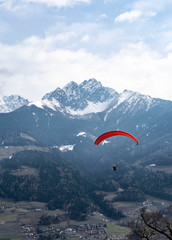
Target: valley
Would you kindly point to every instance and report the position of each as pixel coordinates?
(21, 220)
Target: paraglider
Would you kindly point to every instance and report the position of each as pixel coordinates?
(112, 134)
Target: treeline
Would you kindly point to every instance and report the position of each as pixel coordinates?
(47, 220)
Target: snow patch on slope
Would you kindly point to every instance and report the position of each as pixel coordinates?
(53, 104)
(37, 104)
(65, 148)
(91, 108)
(81, 134)
(104, 142)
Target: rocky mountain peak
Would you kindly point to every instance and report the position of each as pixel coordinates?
(58, 94)
(72, 91)
(78, 99)
(11, 103)
(90, 84)
(70, 86)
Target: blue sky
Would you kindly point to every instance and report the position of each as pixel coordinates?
(45, 44)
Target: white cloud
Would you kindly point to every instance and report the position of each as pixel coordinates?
(59, 3)
(128, 16)
(150, 14)
(108, 1)
(102, 16)
(38, 67)
(158, 5)
(169, 47)
(133, 15)
(85, 38)
(79, 35)
(18, 4)
(143, 8)
(11, 5)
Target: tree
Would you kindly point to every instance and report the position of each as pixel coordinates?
(151, 226)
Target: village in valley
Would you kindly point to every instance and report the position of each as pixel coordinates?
(21, 220)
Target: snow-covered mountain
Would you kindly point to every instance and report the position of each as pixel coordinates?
(11, 103)
(91, 97)
(81, 99)
(88, 97)
(71, 118)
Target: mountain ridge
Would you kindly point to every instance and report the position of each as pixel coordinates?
(50, 126)
(81, 99)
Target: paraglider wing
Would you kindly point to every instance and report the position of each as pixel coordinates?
(112, 134)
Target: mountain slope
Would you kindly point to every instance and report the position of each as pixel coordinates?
(47, 177)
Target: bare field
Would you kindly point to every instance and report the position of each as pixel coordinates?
(25, 171)
(10, 231)
(108, 196)
(166, 169)
(8, 151)
(114, 229)
(16, 214)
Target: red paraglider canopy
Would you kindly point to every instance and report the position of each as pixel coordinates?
(112, 134)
